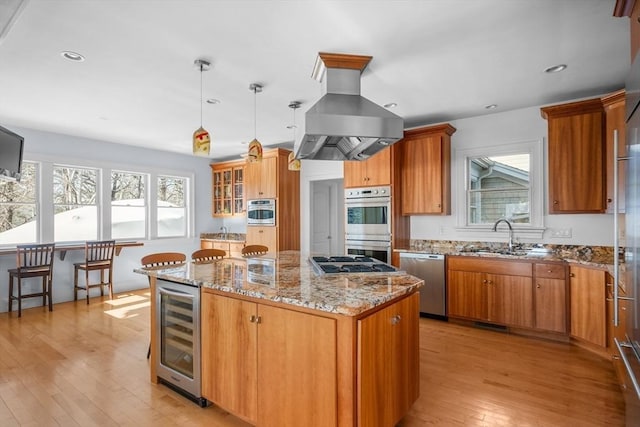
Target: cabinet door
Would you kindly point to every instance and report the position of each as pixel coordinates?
(297, 361)
(355, 173)
(267, 236)
(422, 175)
(551, 305)
(388, 363)
(261, 179)
(615, 121)
(576, 157)
(235, 249)
(206, 244)
(587, 294)
(229, 339)
(467, 295)
(374, 171)
(510, 300)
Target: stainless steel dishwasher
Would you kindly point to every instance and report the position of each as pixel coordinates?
(430, 268)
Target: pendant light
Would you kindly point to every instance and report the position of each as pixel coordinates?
(201, 138)
(255, 148)
(293, 164)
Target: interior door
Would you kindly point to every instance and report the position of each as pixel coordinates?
(326, 210)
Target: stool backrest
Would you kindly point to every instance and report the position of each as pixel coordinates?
(99, 251)
(35, 256)
(254, 250)
(203, 255)
(163, 258)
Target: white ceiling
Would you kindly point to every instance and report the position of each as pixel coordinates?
(440, 60)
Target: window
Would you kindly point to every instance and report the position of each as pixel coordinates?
(498, 187)
(128, 205)
(501, 182)
(19, 207)
(75, 203)
(172, 212)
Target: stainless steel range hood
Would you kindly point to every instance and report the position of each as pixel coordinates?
(343, 125)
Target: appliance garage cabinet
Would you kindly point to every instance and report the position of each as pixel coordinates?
(513, 293)
(425, 156)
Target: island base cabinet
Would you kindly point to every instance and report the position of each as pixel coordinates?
(267, 365)
(388, 363)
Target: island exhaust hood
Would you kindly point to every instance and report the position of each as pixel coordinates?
(343, 125)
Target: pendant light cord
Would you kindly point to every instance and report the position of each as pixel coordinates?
(255, 114)
(200, 95)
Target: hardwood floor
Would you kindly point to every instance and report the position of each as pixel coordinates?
(86, 366)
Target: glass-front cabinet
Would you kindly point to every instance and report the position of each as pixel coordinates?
(228, 189)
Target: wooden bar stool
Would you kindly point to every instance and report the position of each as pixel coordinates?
(159, 259)
(32, 261)
(252, 250)
(206, 255)
(98, 255)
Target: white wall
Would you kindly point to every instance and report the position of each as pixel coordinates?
(489, 130)
(73, 150)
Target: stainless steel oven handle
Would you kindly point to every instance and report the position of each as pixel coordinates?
(627, 365)
(175, 293)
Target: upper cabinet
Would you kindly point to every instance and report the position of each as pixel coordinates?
(425, 156)
(228, 189)
(614, 108)
(374, 171)
(576, 157)
(262, 179)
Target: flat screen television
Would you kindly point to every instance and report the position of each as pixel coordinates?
(11, 149)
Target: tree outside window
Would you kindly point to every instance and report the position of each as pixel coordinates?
(128, 205)
(172, 212)
(75, 203)
(19, 207)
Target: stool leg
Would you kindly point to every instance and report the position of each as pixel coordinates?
(19, 296)
(10, 292)
(50, 292)
(86, 283)
(75, 283)
(101, 282)
(110, 283)
(44, 290)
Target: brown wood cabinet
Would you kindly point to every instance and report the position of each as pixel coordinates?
(550, 297)
(271, 178)
(374, 171)
(588, 305)
(257, 357)
(495, 291)
(576, 157)
(614, 107)
(232, 248)
(228, 189)
(426, 170)
(388, 363)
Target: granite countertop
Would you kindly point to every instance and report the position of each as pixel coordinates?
(288, 278)
(228, 237)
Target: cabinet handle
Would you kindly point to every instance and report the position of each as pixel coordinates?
(484, 281)
(258, 319)
(252, 318)
(555, 202)
(572, 275)
(538, 286)
(396, 319)
(260, 231)
(549, 271)
(489, 282)
(438, 205)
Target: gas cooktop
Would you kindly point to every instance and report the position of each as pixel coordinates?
(349, 264)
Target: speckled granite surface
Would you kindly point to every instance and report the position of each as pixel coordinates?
(289, 279)
(235, 237)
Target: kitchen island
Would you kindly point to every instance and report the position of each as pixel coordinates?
(283, 345)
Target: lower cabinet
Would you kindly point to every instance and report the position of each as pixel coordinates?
(257, 358)
(493, 291)
(588, 305)
(388, 363)
(267, 236)
(551, 297)
(232, 248)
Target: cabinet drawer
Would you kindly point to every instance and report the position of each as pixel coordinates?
(550, 271)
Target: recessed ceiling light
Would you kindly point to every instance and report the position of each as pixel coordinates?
(555, 68)
(213, 101)
(72, 56)
(491, 106)
(390, 105)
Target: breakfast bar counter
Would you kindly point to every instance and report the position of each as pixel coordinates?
(283, 344)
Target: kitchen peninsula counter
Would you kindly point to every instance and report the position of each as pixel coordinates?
(282, 345)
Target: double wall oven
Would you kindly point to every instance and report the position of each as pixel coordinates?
(368, 222)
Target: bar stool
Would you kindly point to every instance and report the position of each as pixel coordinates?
(251, 250)
(159, 259)
(98, 255)
(206, 255)
(34, 260)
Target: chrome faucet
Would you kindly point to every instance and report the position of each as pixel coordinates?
(495, 228)
(225, 231)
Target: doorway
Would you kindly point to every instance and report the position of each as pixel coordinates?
(326, 222)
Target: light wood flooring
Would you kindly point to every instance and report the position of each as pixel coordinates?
(86, 366)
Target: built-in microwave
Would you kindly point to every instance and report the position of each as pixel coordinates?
(261, 212)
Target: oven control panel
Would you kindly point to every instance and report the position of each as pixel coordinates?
(359, 193)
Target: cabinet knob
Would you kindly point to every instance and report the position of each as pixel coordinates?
(555, 202)
(572, 275)
(396, 319)
(260, 231)
(252, 318)
(538, 286)
(484, 281)
(438, 205)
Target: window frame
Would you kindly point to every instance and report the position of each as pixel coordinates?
(36, 202)
(534, 148)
